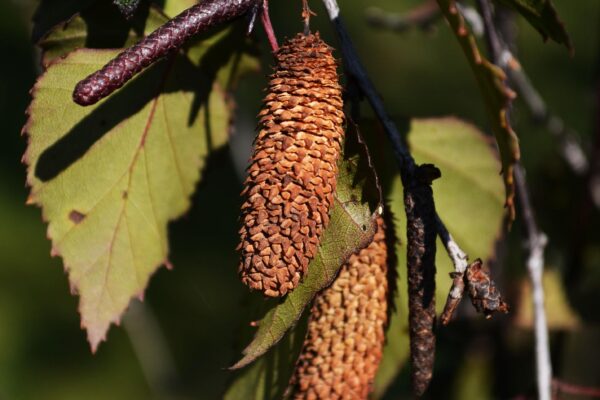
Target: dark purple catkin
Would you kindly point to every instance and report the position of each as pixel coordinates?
(421, 236)
(158, 44)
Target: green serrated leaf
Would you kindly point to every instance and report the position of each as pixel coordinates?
(542, 15)
(351, 227)
(469, 199)
(496, 96)
(110, 177)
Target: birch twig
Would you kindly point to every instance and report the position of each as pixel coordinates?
(536, 240)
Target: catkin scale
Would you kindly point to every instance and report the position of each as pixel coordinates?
(346, 329)
(292, 174)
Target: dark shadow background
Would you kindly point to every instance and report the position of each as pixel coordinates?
(200, 304)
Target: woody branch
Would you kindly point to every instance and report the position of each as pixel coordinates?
(536, 240)
(404, 159)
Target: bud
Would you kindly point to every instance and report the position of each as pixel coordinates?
(292, 175)
(346, 329)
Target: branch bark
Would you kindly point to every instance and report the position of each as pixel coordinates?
(536, 240)
(569, 144)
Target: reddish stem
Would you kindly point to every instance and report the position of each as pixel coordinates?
(266, 22)
(575, 390)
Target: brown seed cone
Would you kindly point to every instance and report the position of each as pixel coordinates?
(292, 175)
(345, 338)
(421, 236)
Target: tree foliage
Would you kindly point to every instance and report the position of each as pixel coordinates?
(111, 177)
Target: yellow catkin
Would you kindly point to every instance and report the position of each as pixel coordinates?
(292, 175)
(346, 329)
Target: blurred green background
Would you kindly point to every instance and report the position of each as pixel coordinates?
(177, 344)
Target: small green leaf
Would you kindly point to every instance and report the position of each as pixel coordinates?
(351, 227)
(496, 96)
(542, 15)
(110, 177)
(468, 198)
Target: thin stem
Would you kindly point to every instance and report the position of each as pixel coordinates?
(536, 244)
(575, 390)
(459, 258)
(536, 240)
(306, 14)
(266, 23)
(404, 159)
(568, 141)
(355, 68)
(472, 17)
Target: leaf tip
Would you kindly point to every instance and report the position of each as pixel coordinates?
(54, 252)
(241, 363)
(95, 336)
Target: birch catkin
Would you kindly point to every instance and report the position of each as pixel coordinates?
(421, 236)
(163, 41)
(346, 329)
(292, 175)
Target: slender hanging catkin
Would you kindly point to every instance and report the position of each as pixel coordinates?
(346, 329)
(292, 175)
(421, 236)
